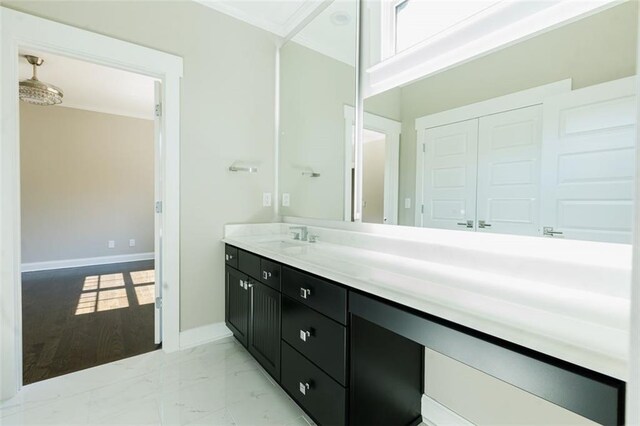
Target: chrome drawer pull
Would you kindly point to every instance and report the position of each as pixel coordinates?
(304, 334)
(305, 293)
(303, 388)
(266, 275)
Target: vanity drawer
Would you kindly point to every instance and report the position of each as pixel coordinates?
(231, 256)
(249, 264)
(326, 298)
(320, 339)
(270, 273)
(321, 396)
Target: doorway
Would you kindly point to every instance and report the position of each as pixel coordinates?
(23, 31)
(89, 230)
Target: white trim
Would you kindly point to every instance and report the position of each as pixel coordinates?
(392, 130)
(504, 25)
(202, 335)
(20, 30)
(85, 261)
(522, 99)
(349, 122)
(436, 414)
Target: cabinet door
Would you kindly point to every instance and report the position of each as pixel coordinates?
(509, 172)
(237, 304)
(264, 327)
(449, 176)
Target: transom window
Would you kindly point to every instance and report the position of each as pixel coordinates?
(420, 20)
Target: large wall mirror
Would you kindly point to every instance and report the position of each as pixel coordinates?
(536, 138)
(317, 86)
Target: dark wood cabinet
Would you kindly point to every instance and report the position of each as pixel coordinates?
(264, 327)
(322, 340)
(327, 298)
(322, 397)
(270, 273)
(237, 304)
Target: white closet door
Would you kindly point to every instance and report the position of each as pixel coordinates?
(509, 172)
(449, 176)
(588, 158)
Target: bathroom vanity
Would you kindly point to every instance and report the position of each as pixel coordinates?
(343, 331)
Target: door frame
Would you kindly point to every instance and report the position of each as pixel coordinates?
(392, 130)
(19, 30)
(524, 98)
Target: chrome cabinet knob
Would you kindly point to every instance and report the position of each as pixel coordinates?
(228, 257)
(305, 292)
(266, 275)
(304, 334)
(304, 387)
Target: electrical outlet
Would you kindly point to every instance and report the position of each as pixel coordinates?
(286, 199)
(111, 244)
(266, 199)
(407, 203)
(132, 243)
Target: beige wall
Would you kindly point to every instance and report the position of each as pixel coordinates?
(487, 401)
(85, 178)
(373, 157)
(314, 89)
(227, 110)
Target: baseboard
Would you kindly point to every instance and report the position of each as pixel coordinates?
(205, 334)
(436, 414)
(87, 261)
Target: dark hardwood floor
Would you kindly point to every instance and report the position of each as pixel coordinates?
(78, 318)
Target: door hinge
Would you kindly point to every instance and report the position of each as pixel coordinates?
(424, 147)
(158, 206)
(158, 302)
(422, 208)
(158, 110)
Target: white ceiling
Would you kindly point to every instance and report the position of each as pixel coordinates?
(323, 35)
(281, 17)
(276, 16)
(95, 87)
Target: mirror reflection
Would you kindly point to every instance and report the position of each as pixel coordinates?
(533, 139)
(317, 89)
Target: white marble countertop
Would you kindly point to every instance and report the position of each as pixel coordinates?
(577, 311)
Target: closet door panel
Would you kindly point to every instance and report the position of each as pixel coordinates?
(509, 172)
(449, 176)
(589, 162)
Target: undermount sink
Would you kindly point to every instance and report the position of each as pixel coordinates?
(281, 243)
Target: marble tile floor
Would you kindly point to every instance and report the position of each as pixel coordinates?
(213, 384)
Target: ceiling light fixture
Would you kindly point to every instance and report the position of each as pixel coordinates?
(37, 92)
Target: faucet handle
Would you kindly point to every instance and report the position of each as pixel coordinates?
(296, 234)
(313, 238)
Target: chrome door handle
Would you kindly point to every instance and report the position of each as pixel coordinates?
(549, 232)
(468, 224)
(305, 292)
(249, 285)
(266, 275)
(483, 224)
(241, 284)
(304, 334)
(304, 387)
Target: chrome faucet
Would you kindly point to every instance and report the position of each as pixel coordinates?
(299, 232)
